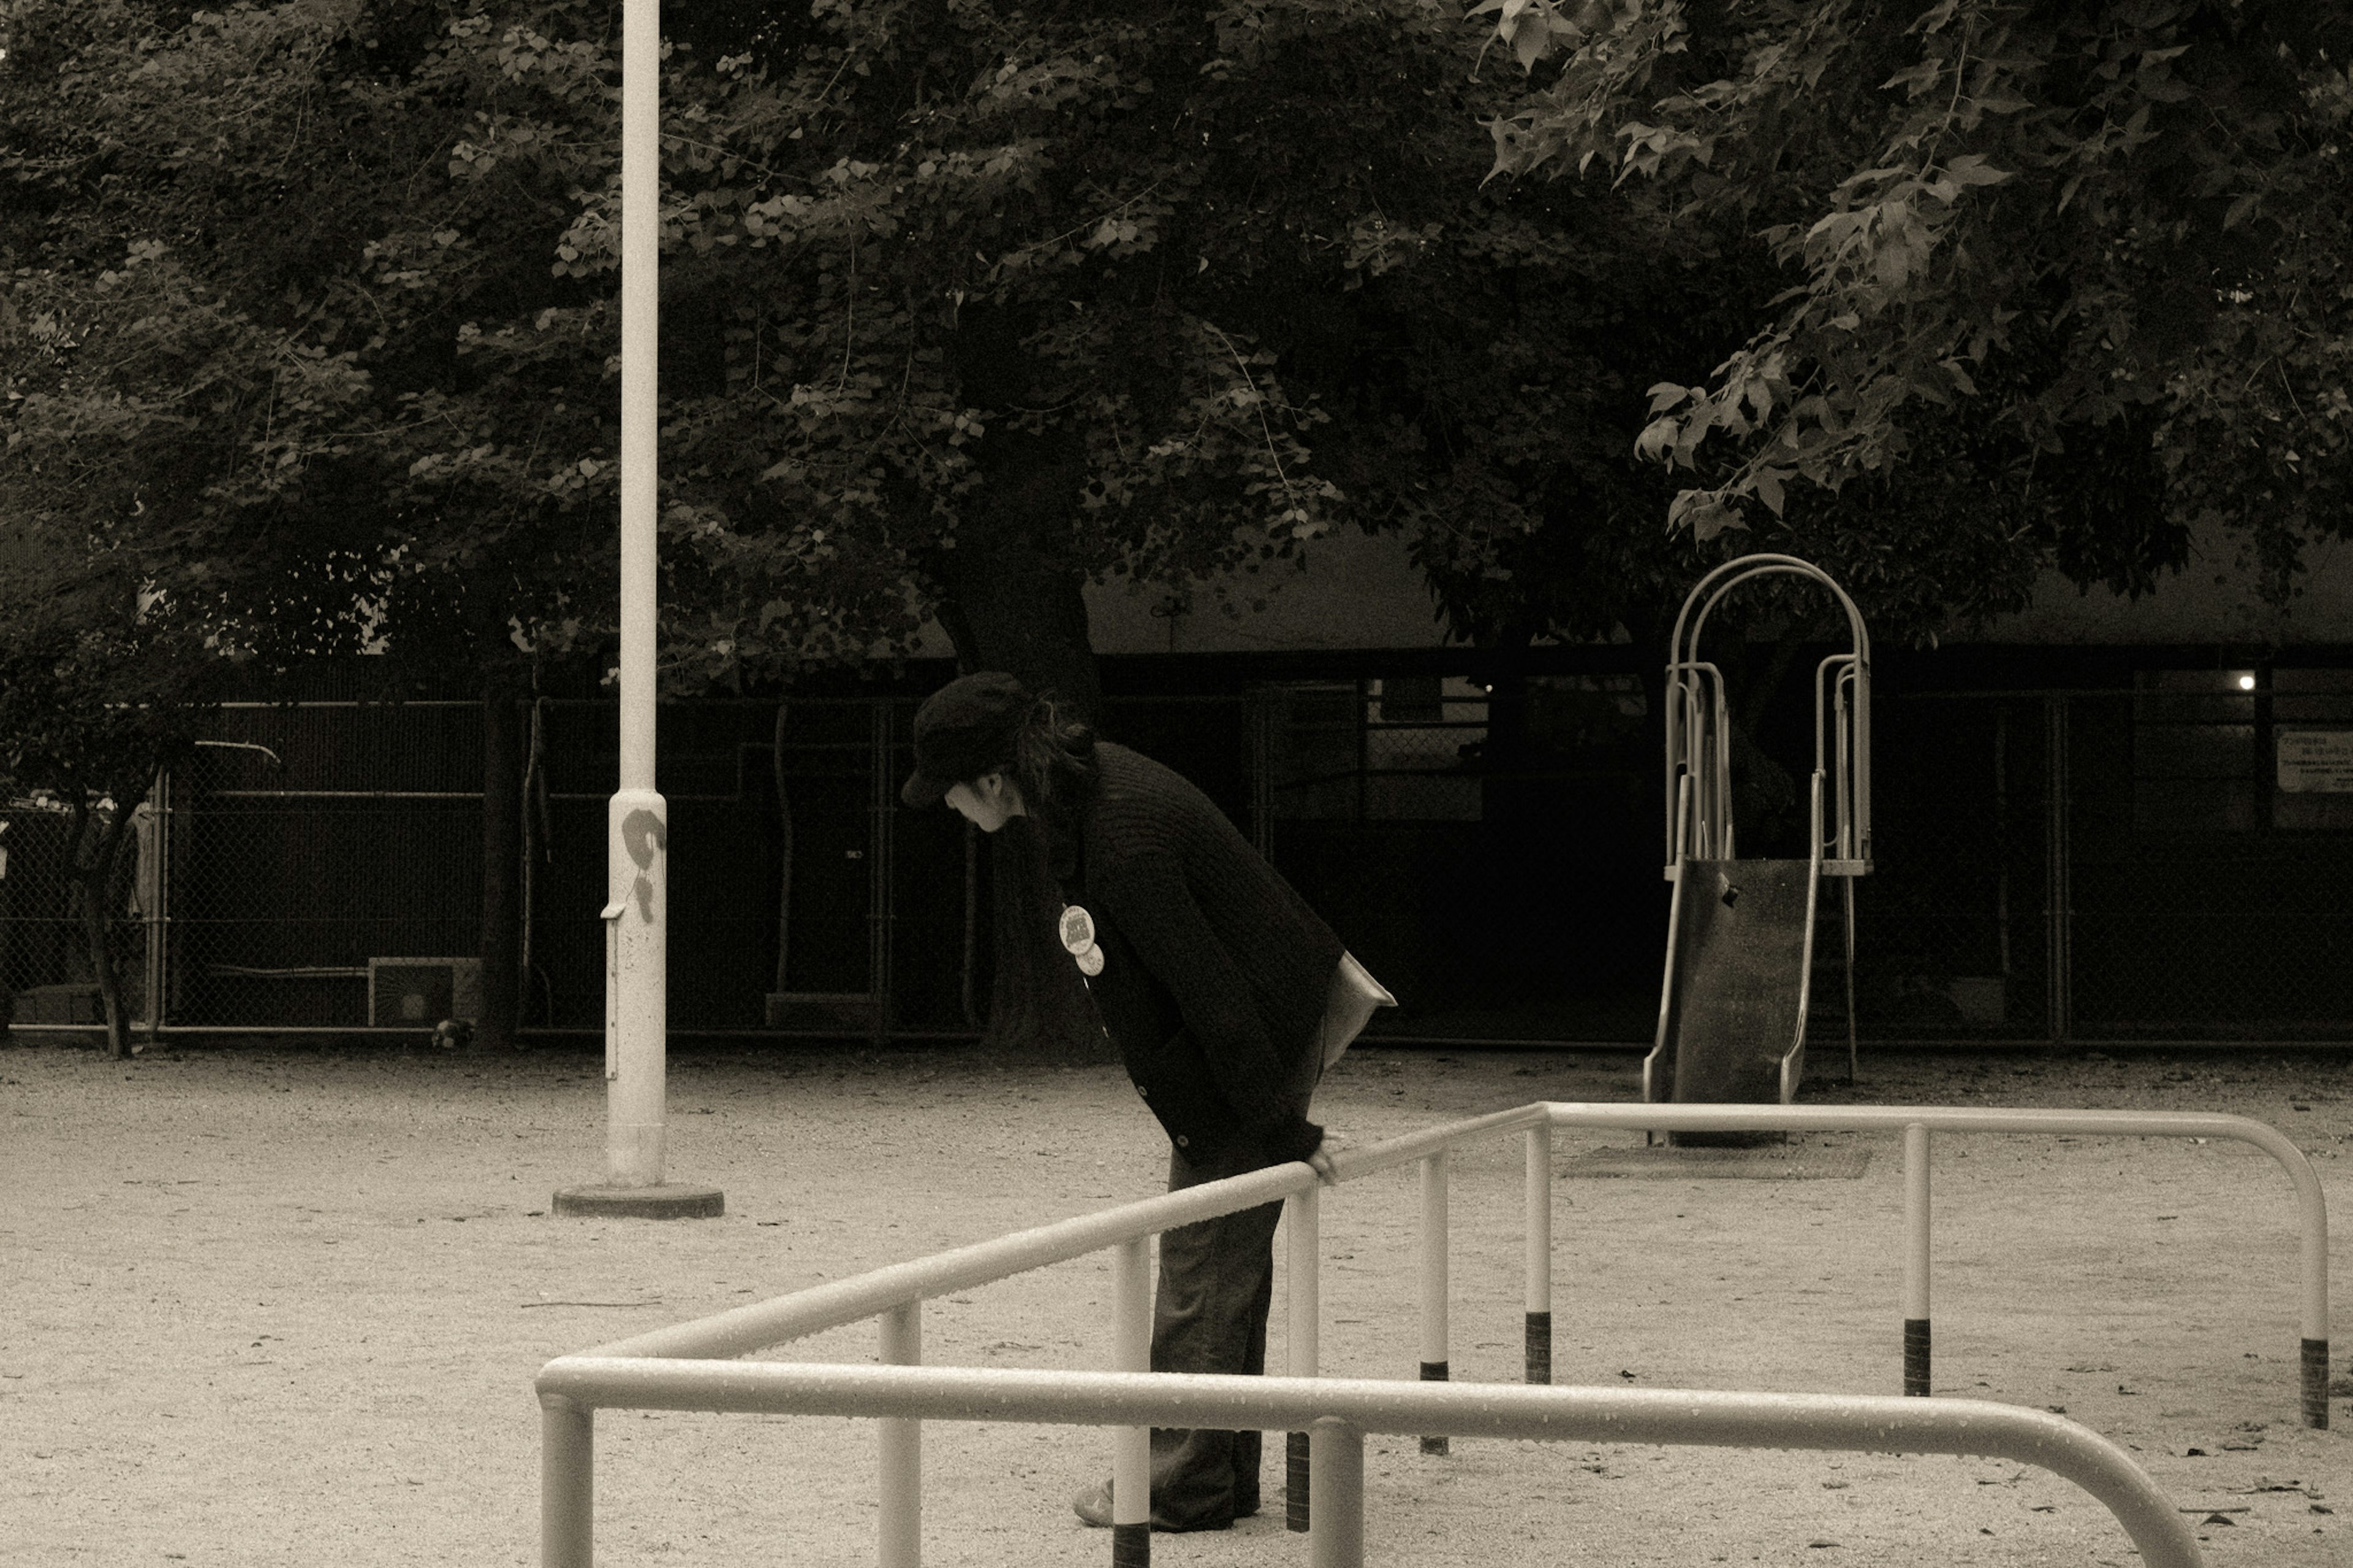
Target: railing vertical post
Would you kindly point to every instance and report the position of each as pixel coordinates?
(899, 1533)
(1540, 1254)
(1338, 1539)
(1915, 1260)
(1131, 1447)
(2312, 1220)
(1434, 1285)
(1304, 1260)
(567, 1482)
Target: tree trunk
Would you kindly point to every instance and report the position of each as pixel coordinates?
(1013, 603)
(501, 941)
(97, 848)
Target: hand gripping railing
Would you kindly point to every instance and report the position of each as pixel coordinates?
(700, 1350)
(1338, 1412)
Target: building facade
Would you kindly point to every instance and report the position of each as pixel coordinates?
(2097, 821)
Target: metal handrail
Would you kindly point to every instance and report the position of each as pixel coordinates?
(695, 1356)
(832, 1305)
(839, 1303)
(1917, 1121)
(1337, 1411)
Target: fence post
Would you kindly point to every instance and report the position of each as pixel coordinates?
(1264, 717)
(2059, 896)
(901, 1530)
(1302, 1260)
(1915, 1260)
(879, 913)
(1131, 1447)
(567, 1473)
(1540, 1254)
(155, 894)
(1338, 1539)
(1434, 1327)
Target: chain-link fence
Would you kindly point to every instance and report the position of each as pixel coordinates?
(777, 856)
(309, 843)
(2205, 849)
(1482, 847)
(2108, 865)
(47, 972)
(1952, 928)
(2153, 863)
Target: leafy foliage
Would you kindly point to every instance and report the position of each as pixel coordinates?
(964, 304)
(239, 305)
(325, 294)
(2102, 239)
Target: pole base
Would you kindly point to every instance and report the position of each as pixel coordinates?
(672, 1200)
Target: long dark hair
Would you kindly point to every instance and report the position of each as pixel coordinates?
(1053, 764)
(1037, 999)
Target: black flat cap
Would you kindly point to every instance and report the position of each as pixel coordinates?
(964, 730)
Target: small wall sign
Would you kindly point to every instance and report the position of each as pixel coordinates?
(2316, 762)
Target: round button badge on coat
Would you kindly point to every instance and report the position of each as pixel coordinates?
(1078, 929)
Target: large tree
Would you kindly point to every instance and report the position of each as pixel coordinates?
(963, 305)
(960, 307)
(2077, 267)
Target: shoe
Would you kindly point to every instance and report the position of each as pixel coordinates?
(1092, 1505)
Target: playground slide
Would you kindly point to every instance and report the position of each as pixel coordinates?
(1740, 933)
(1741, 954)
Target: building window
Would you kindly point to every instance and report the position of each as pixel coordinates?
(2194, 753)
(1410, 698)
(1395, 750)
(2240, 751)
(1318, 760)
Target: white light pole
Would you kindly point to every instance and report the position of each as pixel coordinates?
(637, 849)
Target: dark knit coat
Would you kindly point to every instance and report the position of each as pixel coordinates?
(1215, 973)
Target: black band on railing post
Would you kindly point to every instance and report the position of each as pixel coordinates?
(2315, 1384)
(1131, 1546)
(1294, 1480)
(1916, 1357)
(1539, 1347)
(1433, 1372)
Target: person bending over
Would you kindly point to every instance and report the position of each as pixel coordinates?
(1223, 992)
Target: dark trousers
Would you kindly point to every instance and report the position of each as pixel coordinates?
(1217, 1280)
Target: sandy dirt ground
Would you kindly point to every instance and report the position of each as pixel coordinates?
(283, 1308)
